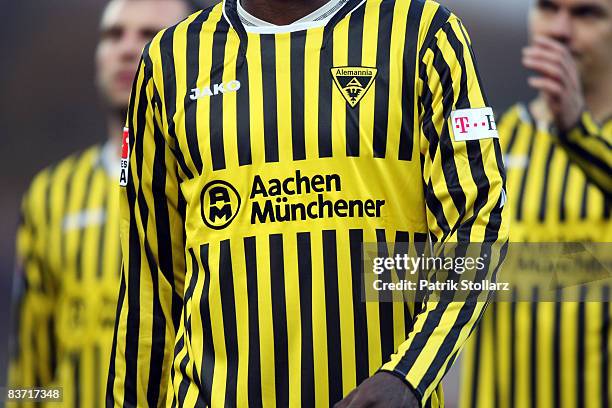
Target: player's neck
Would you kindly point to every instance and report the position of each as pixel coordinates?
(281, 12)
(597, 98)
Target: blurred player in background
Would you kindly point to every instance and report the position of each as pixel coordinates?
(68, 241)
(559, 159)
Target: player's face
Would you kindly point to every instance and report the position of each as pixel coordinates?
(125, 28)
(584, 26)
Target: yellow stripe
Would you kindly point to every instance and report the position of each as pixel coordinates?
(319, 323)
(396, 71)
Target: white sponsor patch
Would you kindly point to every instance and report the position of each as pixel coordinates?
(125, 158)
(473, 124)
(83, 219)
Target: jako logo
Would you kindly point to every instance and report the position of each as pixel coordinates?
(231, 86)
(220, 204)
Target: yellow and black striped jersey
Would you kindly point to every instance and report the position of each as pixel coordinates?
(258, 166)
(546, 354)
(68, 272)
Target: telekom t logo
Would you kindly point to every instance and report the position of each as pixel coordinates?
(463, 123)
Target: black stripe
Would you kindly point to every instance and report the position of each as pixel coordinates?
(533, 342)
(270, 100)
(298, 47)
(86, 202)
(76, 386)
(279, 313)
(184, 385)
(473, 394)
(208, 357)
(581, 352)
(228, 306)
(584, 206)
(64, 208)
(605, 346)
(332, 312)
(545, 182)
(325, 97)
(193, 71)
(217, 147)
(556, 397)
(521, 197)
(495, 337)
(254, 370)
(104, 249)
(513, 349)
(385, 305)
(355, 48)
(588, 157)
(110, 383)
(562, 206)
(304, 253)
(513, 136)
(383, 61)
(243, 112)
(409, 78)
(359, 306)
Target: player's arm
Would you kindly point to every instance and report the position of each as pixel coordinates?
(33, 352)
(153, 267)
(465, 196)
(588, 146)
(558, 81)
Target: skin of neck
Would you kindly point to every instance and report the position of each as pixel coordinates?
(281, 12)
(114, 126)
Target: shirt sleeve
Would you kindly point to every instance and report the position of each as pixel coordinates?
(33, 349)
(591, 148)
(465, 196)
(153, 266)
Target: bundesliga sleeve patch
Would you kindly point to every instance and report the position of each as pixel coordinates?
(473, 124)
(125, 157)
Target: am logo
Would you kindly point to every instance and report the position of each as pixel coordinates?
(220, 204)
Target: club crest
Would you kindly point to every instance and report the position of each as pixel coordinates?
(353, 82)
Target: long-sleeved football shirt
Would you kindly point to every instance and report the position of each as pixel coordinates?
(258, 165)
(68, 257)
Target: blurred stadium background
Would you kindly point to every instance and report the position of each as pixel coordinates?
(48, 104)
